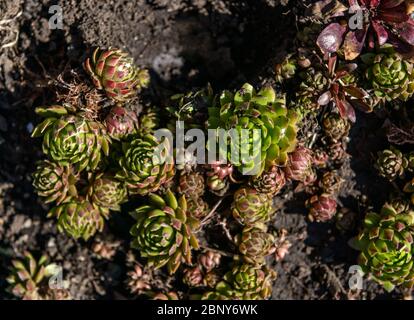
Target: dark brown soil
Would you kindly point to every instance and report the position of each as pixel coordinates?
(185, 44)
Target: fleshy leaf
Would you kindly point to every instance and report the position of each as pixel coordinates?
(331, 38)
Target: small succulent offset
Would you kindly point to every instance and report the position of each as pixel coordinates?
(251, 110)
(250, 207)
(391, 163)
(244, 282)
(255, 244)
(114, 72)
(163, 232)
(322, 208)
(383, 21)
(386, 245)
(145, 166)
(107, 192)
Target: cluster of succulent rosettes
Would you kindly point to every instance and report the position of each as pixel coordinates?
(145, 164)
(389, 75)
(28, 279)
(243, 282)
(270, 182)
(386, 245)
(71, 139)
(164, 231)
(322, 208)
(267, 122)
(250, 207)
(255, 244)
(114, 72)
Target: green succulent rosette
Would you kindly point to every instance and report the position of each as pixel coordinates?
(386, 245)
(79, 218)
(270, 127)
(250, 207)
(72, 140)
(163, 232)
(245, 282)
(145, 166)
(390, 76)
(107, 192)
(114, 71)
(54, 183)
(255, 244)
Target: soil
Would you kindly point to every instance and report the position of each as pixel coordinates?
(185, 44)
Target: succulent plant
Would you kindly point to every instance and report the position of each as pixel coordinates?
(197, 207)
(217, 186)
(286, 69)
(209, 260)
(389, 75)
(193, 277)
(400, 204)
(336, 151)
(107, 192)
(145, 166)
(73, 140)
(191, 184)
(343, 91)
(26, 277)
(382, 21)
(386, 245)
(322, 208)
(331, 182)
(149, 120)
(246, 282)
(251, 110)
(299, 165)
(79, 218)
(121, 122)
(390, 163)
(163, 232)
(270, 182)
(138, 280)
(54, 182)
(335, 127)
(219, 176)
(250, 207)
(114, 72)
(255, 244)
(191, 108)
